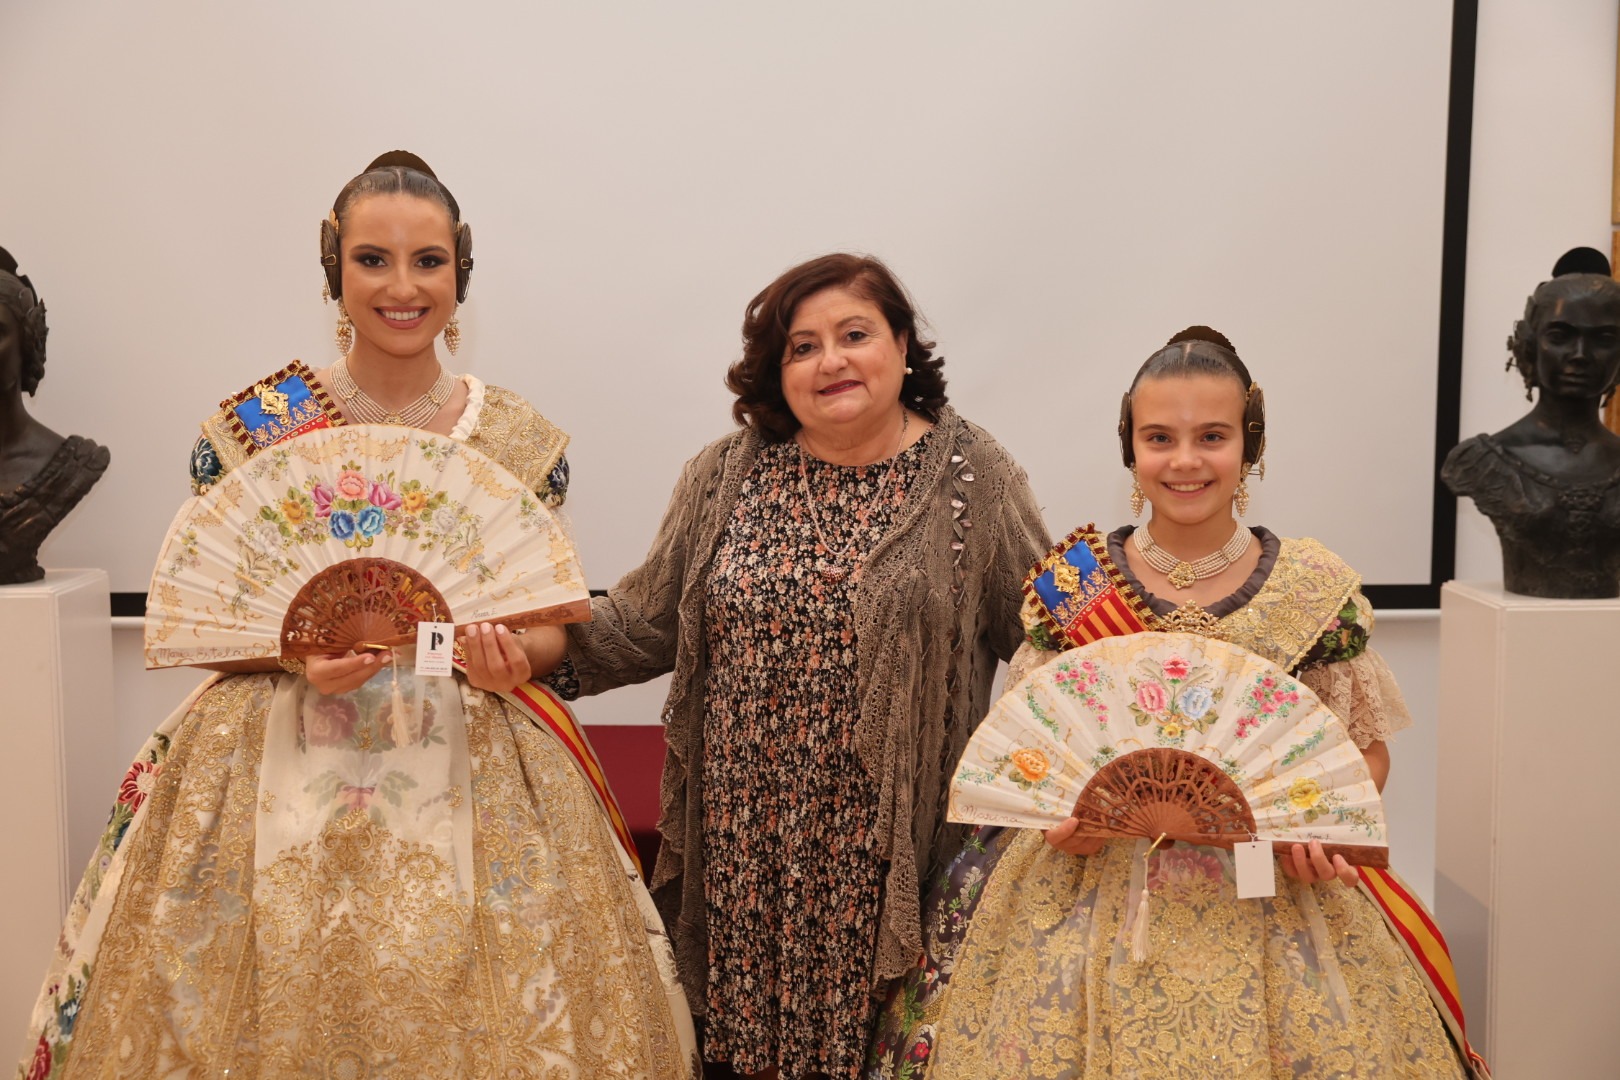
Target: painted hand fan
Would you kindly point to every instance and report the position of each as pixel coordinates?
(1175, 734)
(350, 536)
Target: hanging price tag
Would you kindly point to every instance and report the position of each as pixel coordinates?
(1256, 876)
(434, 640)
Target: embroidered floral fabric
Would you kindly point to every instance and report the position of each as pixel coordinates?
(793, 876)
(322, 884)
(1307, 984)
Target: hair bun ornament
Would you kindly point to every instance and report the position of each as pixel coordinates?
(1205, 334)
(402, 158)
(1582, 260)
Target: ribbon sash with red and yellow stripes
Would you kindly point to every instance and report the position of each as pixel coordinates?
(1420, 937)
(552, 716)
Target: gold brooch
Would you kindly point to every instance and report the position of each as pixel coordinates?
(273, 401)
(1189, 618)
(1066, 577)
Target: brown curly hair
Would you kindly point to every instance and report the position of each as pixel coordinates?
(756, 378)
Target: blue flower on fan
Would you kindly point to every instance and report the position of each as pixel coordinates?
(1195, 701)
(371, 521)
(342, 524)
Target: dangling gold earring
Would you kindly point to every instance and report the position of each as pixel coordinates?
(345, 330)
(1138, 498)
(452, 335)
(1240, 497)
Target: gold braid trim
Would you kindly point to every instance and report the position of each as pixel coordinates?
(1306, 590)
(218, 430)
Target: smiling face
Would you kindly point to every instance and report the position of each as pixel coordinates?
(1578, 344)
(399, 274)
(1187, 431)
(843, 368)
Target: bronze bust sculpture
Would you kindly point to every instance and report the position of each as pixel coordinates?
(1550, 482)
(42, 475)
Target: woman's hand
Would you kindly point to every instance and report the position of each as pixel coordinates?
(1063, 839)
(335, 673)
(495, 660)
(1310, 867)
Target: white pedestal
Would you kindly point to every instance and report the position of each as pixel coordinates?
(1526, 878)
(61, 766)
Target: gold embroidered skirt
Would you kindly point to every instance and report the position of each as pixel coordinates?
(410, 881)
(1308, 984)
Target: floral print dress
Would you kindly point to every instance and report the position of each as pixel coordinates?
(794, 875)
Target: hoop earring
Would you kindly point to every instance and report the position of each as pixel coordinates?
(344, 336)
(1138, 498)
(452, 335)
(1240, 497)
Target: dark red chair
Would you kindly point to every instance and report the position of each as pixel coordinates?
(632, 755)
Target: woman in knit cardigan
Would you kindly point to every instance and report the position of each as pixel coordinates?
(832, 586)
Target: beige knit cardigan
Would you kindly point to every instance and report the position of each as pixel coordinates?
(937, 606)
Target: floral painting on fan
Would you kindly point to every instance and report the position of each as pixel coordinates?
(352, 536)
(1224, 746)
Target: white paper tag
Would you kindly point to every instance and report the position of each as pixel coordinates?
(434, 640)
(1256, 876)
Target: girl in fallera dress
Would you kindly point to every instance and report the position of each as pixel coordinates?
(1028, 971)
(245, 918)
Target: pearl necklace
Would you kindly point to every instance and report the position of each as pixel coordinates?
(835, 574)
(366, 410)
(1181, 572)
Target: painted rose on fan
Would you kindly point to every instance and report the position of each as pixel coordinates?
(1150, 696)
(342, 524)
(1032, 763)
(1084, 682)
(370, 522)
(322, 495)
(1304, 793)
(1195, 701)
(352, 484)
(383, 496)
(1175, 668)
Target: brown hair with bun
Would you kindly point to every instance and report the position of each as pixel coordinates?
(398, 172)
(1200, 350)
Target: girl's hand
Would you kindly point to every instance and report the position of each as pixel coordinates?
(340, 673)
(1063, 839)
(495, 661)
(1310, 867)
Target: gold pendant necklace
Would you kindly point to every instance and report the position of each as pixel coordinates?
(1182, 573)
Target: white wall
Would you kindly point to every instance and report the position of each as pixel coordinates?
(1063, 185)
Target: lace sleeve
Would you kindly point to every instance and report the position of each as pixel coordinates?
(1363, 693)
(1028, 657)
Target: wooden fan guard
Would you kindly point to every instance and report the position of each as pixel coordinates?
(1163, 791)
(368, 602)
(359, 602)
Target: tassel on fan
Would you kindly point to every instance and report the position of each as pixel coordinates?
(1171, 734)
(350, 536)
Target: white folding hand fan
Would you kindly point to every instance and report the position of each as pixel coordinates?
(350, 536)
(1171, 734)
